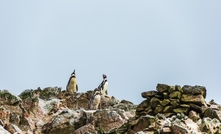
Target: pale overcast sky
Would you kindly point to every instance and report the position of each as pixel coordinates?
(137, 44)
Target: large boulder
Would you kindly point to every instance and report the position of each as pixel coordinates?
(6, 98)
(66, 122)
(196, 99)
(212, 113)
(194, 90)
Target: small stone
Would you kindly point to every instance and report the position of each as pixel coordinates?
(181, 110)
(194, 116)
(175, 95)
(168, 109)
(165, 102)
(175, 102)
(158, 109)
(149, 94)
(154, 102)
(166, 130)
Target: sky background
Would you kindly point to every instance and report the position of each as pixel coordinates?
(137, 44)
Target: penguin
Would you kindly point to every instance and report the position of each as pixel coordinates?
(95, 101)
(103, 86)
(72, 86)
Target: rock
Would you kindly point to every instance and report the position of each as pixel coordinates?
(194, 90)
(171, 89)
(194, 116)
(175, 95)
(175, 102)
(177, 129)
(196, 108)
(66, 122)
(107, 120)
(78, 100)
(3, 131)
(158, 109)
(196, 99)
(162, 88)
(142, 123)
(181, 110)
(166, 130)
(209, 126)
(6, 98)
(212, 114)
(89, 128)
(149, 94)
(165, 102)
(49, 92)
(154, 102)
(168, 109)
(144, 104)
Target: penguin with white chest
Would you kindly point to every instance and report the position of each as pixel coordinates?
(72, 86)
(95, 101)
(103, 86)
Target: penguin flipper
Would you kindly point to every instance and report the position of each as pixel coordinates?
(77, 87)
(101, 85)
(68, 84)
(106, 92)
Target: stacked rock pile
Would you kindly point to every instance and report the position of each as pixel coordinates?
(170, 100)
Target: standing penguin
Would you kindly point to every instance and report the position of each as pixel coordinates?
(72, 86)
(103, 86)
(94, 101)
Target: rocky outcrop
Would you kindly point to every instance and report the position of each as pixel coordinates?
(166, 110)
(170, 100)
(172, 109)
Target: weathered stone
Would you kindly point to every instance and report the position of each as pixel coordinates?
(162, 88)
(149, 94)
(212, 114)
(194, 90)
(168, 109)
(175, 95)
(8, 98)
(142, 105)
(166, 130)
(172, 89)
(89, 128)
(165, 95)
(195, 107)
(154, 102)
(175, 102)
(178, 88)
(181, 110)
(168, 114)
(194, 116)
(165, 102)
(49, 92)
(177, 129)
(215, 107)
(184, 105)
(142, 123)
(158, 109)
(107, 120)
(196, 99)
(210, 126)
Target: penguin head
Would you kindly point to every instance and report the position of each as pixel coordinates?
(73, 74)
(104, 76)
